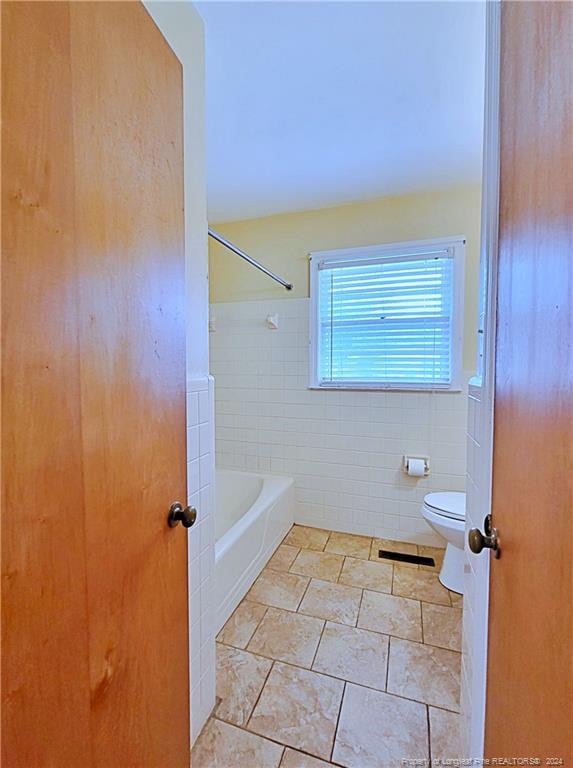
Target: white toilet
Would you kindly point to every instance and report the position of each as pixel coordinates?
(446, 513)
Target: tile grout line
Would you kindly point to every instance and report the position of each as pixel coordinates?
(296, 664)
(359, 608)
(341, 570)
(417, 642)
(337, 722)
(259, 697)
(238, 647)
(388, 663)
(439, 605)
(341, 566)
(318, 645)
(303, 596)
(277, 607)
(258, 625)
(429, 734)
(281, 570)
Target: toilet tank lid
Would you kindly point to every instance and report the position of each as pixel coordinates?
(450, 503)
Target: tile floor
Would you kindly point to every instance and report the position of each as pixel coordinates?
(336, 657)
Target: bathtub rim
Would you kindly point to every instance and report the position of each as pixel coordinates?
(273, 487)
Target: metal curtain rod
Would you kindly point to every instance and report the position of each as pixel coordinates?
(220, 239)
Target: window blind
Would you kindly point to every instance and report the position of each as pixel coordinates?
(386, 321)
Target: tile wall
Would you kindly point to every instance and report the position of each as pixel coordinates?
(200, 467)
(343, 448)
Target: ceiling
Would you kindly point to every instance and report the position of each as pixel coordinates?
(314, 104)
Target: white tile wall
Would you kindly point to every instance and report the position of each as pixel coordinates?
(200, 462)
(476, 582)
(343, 448)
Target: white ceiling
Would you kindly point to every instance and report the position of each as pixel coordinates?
(312, 104)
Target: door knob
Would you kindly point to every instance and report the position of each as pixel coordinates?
(479, 541)
(178, 515)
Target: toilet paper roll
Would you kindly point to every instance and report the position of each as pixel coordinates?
(416, 467)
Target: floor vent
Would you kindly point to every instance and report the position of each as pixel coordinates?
(402, 557)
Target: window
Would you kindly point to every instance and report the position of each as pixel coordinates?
(388, 316)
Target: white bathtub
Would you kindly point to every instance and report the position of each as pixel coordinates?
(253, 513)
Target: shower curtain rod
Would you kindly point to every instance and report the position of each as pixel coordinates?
(220, 239)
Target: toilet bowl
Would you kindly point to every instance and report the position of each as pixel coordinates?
(445, 512)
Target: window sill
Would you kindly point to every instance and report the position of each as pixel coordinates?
(376, 388)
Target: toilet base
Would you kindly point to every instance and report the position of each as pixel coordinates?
(452, 571)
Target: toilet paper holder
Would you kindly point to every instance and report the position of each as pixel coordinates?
(406, 464)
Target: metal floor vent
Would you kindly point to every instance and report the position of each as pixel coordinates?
(402, 557)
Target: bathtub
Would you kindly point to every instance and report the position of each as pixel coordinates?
(253, 513)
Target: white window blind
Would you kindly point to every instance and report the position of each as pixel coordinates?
(386, 321)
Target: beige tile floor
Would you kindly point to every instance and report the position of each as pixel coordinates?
(335, 657)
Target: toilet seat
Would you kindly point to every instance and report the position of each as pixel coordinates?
(450, 504)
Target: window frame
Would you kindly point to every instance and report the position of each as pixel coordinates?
(456, 244)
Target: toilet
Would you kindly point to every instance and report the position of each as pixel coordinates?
(445, 512)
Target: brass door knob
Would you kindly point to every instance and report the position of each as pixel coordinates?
(177, 514)
(479, 541)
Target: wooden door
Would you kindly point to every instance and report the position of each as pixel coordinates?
(45, 666)
(95, 638)
(530, 675)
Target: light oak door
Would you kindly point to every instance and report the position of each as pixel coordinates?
(530, 674)
(95, 637)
